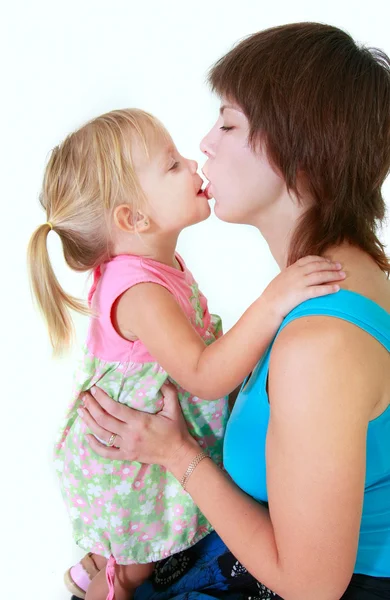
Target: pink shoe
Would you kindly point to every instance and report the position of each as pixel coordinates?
(78, 577)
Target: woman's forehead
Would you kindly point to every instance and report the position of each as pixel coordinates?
(227, 102)
(228, 106)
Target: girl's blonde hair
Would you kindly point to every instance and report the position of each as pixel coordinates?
(87, 176)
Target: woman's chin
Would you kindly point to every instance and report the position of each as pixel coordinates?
(224, 215)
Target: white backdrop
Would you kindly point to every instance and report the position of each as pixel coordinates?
(63, 63)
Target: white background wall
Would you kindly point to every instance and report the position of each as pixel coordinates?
(63, 63)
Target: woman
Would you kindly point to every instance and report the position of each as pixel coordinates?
(300, 150)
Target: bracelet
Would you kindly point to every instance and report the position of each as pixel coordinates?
(191, 468)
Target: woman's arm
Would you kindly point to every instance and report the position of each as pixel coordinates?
(305, 547)
(152, 314)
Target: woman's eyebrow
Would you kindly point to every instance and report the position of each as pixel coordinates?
(225, 106)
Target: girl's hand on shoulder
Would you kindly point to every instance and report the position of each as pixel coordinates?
(309, 277)
(161, 438)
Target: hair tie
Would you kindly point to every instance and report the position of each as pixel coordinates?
(50, 225)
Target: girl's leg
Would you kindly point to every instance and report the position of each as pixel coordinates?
(99, 561)
(127, 579)
(78, 578)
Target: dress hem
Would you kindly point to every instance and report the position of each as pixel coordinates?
(153, 557)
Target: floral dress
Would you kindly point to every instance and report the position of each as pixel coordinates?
(134, 512)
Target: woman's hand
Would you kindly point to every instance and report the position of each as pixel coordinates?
(161, 439)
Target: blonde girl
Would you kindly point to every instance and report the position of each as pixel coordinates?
(118, 194)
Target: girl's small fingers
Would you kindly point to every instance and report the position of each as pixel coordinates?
(320, 265)
(306, 260)
(319, 277)
(316, 291)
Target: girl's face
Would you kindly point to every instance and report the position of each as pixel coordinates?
(242, 180)
(173, 189)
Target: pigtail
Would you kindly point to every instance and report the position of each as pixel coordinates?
(87, 176)
(51, 299)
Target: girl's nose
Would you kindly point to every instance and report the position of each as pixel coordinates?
(193, 166)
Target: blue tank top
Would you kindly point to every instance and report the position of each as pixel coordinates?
(244, 448)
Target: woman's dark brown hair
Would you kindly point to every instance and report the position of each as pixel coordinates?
(321, 105)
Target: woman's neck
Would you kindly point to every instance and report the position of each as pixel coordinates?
(277, 224)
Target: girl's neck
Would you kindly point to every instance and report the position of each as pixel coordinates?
(161, 248)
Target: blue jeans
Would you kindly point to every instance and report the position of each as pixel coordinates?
(209, 570)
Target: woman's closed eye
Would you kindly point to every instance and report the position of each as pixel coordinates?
(175, 165)
(226, 128)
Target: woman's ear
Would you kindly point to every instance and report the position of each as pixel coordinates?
(125, 219)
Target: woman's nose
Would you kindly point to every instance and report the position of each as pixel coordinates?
(206, 146)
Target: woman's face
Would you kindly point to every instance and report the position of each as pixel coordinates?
(242, 181)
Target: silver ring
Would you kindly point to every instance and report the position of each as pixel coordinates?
(111, 440)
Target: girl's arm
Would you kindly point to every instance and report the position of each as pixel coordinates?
(305, 546)
(152, 315)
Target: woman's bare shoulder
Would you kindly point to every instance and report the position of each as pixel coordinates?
(328, 349)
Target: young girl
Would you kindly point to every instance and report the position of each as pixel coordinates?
(118, 194)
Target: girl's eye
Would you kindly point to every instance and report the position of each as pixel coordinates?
(224, 128)
(174, 166)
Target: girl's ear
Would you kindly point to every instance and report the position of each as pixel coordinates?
(125, 219)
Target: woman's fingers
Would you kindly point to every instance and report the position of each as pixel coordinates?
(102, 433)
(151, 439)
(98, 420)
(105, 451)
(115, 409)
(171, 407)
(121, 412)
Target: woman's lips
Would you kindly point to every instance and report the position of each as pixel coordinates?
(207, 191)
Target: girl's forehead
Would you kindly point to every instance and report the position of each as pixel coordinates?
(158, 142)
(156, 149)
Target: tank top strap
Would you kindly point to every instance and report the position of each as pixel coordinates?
(348, 306)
